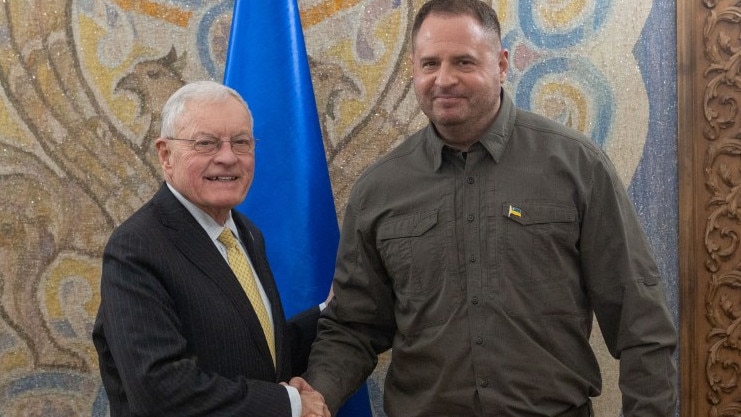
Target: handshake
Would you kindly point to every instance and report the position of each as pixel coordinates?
(312, 402)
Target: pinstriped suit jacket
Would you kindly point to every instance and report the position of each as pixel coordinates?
(175, 333)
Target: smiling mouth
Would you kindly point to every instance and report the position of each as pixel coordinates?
(222, 179)
(444, 100)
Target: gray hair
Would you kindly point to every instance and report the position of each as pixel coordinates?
(197, 91)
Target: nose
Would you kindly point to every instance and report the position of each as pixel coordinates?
(446, 75)
(225, 152)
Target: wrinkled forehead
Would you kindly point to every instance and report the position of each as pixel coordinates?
(195, 112)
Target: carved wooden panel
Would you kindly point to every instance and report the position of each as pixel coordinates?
(709, 91)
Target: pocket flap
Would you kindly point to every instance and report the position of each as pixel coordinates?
(539, 212)
(409, 225)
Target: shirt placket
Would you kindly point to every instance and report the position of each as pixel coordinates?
(473, 192)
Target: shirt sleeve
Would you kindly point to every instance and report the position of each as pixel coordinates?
(358, 323)
(627, 295)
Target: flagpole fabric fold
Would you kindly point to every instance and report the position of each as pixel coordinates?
(290, 199)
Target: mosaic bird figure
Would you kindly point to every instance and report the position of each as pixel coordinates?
(81, 175)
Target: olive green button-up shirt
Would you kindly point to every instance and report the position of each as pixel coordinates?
(483, 270)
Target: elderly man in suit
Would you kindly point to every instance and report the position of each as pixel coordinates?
(188, 325)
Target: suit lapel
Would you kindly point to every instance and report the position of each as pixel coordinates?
(189, 237)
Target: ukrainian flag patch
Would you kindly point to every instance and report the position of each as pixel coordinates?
(514, 211)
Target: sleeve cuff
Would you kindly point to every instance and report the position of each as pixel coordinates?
(295, 398)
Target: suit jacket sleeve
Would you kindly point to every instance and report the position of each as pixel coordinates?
(302, 329)
(168, 346)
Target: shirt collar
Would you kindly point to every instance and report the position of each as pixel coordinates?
(207, 222)
(494, 140)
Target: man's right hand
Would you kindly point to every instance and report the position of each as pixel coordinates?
(312, 402)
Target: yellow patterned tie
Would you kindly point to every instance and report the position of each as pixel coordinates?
(240, 266)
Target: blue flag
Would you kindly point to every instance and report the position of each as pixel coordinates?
(291, 196)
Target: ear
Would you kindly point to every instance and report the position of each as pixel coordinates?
(503, 65)
(164, 154)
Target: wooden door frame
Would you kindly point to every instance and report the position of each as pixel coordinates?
(709, 162)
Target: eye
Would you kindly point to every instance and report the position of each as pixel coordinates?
(206, 145)
(242, 142)
(468, 63)
(206, 142)
(154, 74)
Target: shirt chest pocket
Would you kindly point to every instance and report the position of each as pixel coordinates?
(540, 241)
(412, 251)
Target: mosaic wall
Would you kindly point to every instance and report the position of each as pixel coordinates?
(82, 82)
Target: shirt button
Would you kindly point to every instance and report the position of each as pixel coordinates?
(479, 341)
(484, 383)
(472, 258)
(470, 217)
(475, 300)
(470, 180)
